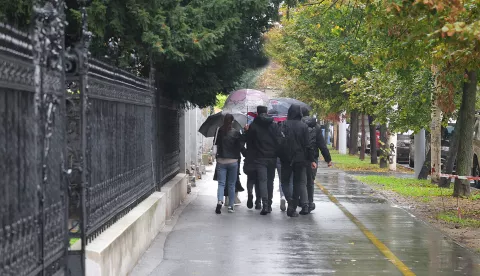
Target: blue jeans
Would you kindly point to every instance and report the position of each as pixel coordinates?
(227, 174)
(290, 185)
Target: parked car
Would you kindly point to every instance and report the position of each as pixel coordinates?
(476, 151)
(403, 148)
(447, 134)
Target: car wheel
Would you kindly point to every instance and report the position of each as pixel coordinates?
(410, 163)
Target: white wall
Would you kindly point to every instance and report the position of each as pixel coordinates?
(194, 141)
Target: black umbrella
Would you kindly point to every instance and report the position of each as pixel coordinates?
(280, 106)
(209, 127)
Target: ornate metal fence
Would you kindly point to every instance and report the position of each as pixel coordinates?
(81, 143)
(33, 189)
(167, 142)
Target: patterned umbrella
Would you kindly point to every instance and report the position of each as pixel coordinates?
(245, 100)
(280, 106)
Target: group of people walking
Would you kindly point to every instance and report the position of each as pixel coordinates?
(292, 147)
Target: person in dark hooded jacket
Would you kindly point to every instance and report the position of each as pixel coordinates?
(262, 148)
(317, 142)
(294, 161)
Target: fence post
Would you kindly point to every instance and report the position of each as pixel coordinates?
(182, 135)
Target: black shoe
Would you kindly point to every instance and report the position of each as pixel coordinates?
(250, 202)
(264, 210)
(258, 204)
(269, 206)
(265, 207)
(311, 207)
(292, 213)
(219, 209)
(304, 210)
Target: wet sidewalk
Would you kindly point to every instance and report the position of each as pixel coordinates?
(352, 232)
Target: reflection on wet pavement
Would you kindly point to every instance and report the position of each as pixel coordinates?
(423, 249)
(325, 242)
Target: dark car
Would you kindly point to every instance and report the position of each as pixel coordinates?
(403, 148)
(447, 134)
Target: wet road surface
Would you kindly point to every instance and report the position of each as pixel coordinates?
(326, 242)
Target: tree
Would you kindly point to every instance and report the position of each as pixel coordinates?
(198, 48)
(451, 46)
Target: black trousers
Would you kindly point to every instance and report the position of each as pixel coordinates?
(311, 173)
(253, 183)
(299, 183)
(265, 169)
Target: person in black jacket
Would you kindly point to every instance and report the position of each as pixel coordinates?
(249, 169)
(229, 144)
(300, 154)
(317, 143)
(262, 144)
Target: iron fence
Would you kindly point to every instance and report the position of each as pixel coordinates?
(81, 143)
(167, 144)
(33, 190)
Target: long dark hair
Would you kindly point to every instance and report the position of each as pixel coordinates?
(227, 123)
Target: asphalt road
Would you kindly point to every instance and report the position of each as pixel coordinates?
(351, 232)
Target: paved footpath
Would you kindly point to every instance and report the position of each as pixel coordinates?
(352, 232)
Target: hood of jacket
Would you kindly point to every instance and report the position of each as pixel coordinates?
(310, 121)
(263, 120)
(294, 112)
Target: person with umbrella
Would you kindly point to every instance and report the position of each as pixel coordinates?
(262, 147)
(229, 144)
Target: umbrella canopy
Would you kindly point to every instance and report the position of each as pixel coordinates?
(275, 118)
(245, 100)
(209, 127)
(280, 106)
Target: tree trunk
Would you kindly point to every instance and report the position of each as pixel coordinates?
(363, 144)
(452, 155)
(353, 132)
(383, 145)
(467, 122)
(436, 142)
(373, 140)
(425, 168)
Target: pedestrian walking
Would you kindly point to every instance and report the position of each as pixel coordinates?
(262, 142)
(295, 153)
(229, 144)
(252, 182)
(317, 142)
(290, 185)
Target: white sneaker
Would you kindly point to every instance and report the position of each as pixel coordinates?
(283, 207)
(231, 209)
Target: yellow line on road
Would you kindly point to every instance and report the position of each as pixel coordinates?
(380, 245)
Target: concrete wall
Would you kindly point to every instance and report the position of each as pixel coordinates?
(116, 251)
(194, 141)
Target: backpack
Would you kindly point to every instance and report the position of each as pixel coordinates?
(285, 143)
